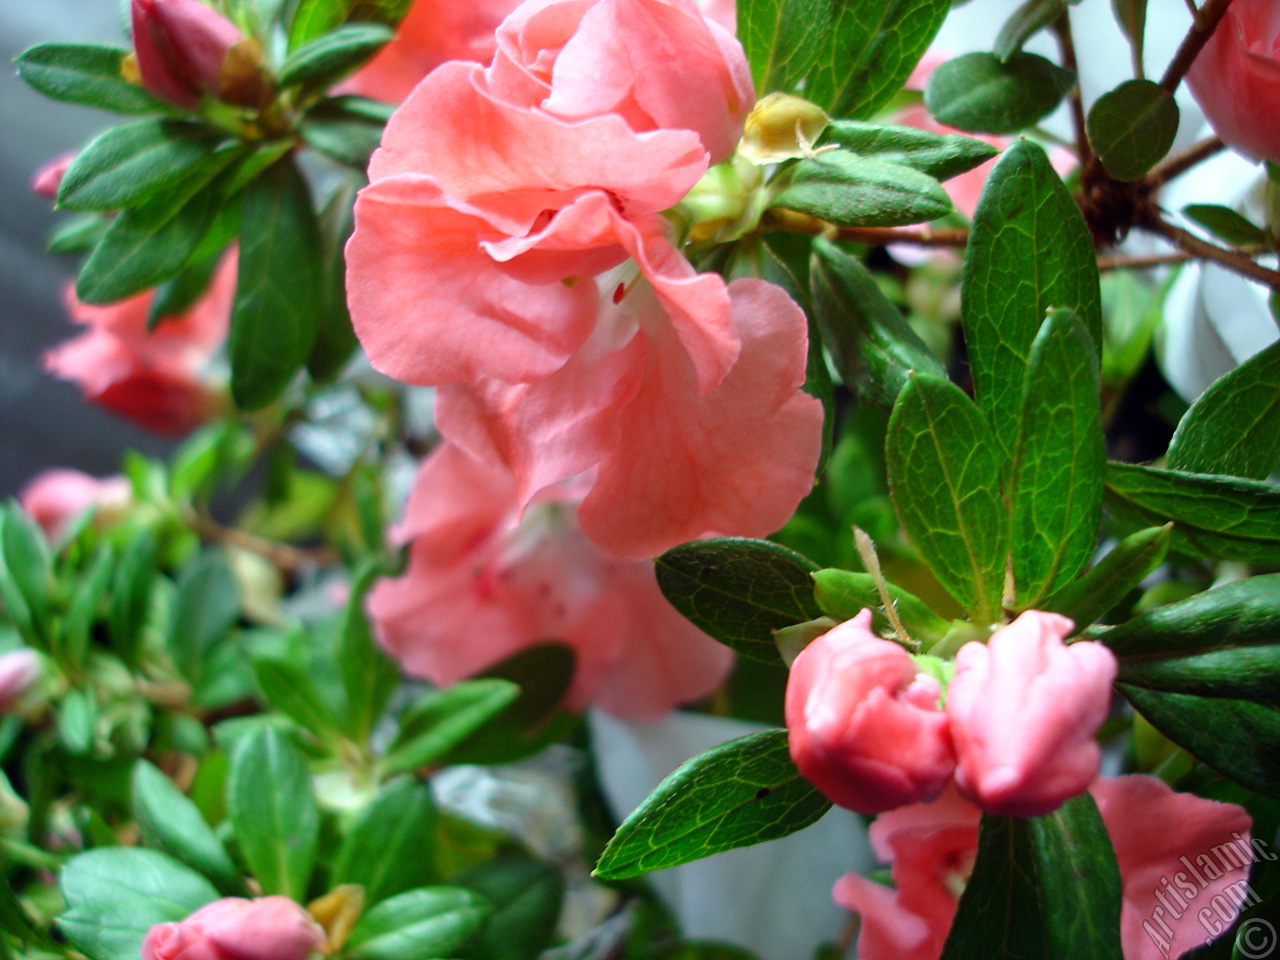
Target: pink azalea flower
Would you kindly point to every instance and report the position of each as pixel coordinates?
(484, 582)
(157, 379)
(56, 497)
(1023, 709)
(511, 249)
(268, 928)
(1162, 840)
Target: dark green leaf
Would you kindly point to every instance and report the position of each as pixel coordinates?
(843, 594)
(1132, 127)
(427, 922)
(1025, 22)
(442, 719)
(1238, 738)
(170, 823)
(742, 792)
(324, 60)
(1225, 223)
(526, 894)
(78, 234)
(1102, 587)
(1214, 516)
(1132, 17)
(368, 676)
(25, 572)
(389, 849)
(273, 810)
(739, 591)
(1234, 427)
(87, 600)
(335, 338)
(114, 895)
(273, 320)
(873, 346)
(86, 74)
(1041, 887)
(849, 191)
(944, 478)
(782, 39)
(206, 606)
(1061, 461)
(940, 155)
(1029, 251)
(978, 93)
(177, 296)
(287, 687)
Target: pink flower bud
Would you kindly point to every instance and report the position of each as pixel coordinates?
(18, 670)
(56, 497)
(48, 178)
(864, 725)
(1024, 708)
(269, 928)
(185, 50)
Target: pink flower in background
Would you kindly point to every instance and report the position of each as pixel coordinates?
(48, 178)
(864, 725)
(18, 670)
(484, 583)
(1154, 830)
(268, 928)
(1236, 79)
(157, 379)
(1023, 709)
(56, 497)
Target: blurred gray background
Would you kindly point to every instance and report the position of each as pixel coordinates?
(44, 421)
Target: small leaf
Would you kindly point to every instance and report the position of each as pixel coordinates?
(314, 18)
(1132, 127)
(86, 603)
(426, 922)
(78, 235)
(843, 595)
(324, 60)
(388, 850)
(742, 792)
(86, 74)
(169, 822)
(944, 479)
(739, 591)
(526, 894)
(939, 155)
(850, 191)
(1234, 427)
(287, 687)
(205, 607)
(1102, 587)
(368, 676)
(1024, 23)
(442, 719)
(978, 93)
(1225, 223)
(25, 573)
(1132, 17)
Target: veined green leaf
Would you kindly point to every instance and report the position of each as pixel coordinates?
(940, 155)
(782, 39)
(389, 849)
(843, 594)
(426, 922)
(851, 191)
(1103, 586)
(87, 74)
(1132, 127)
(979, 93)
(1024, 23)
(325, 59)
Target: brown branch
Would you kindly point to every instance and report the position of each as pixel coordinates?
(1180, 163)
(1237, 262)
(284, 556)
(1106, 264)
(1066, 44)
(1206, 21)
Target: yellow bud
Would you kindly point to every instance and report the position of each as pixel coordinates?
(337, 912)
(782, 127)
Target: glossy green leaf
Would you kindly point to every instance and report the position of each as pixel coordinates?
(739, 591)
(129, 164)
(873, 346)
(273, 811)
(944, 478)
(1105, 585)
(1234, 427)
(1214, 516)
(421, 923)
(940, 155)
(287, 687)
(1132, 127)
(205, 607)
(389, 849)
(1024, 23)
(1029, 251)
(325, 59)
(170, 822)
(1041, 887)
(442, 719)
(114, 895)
(782, 39)
(277, 302)
(851, 191)
(1225, 223)
(526, 894)
(842, 595)
(979, 93)
(368, 676)
(1060, 463)
(1238, 738)
(86, 74)
(742, 792)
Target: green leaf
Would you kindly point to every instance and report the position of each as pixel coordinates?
(86, 74)
(944, 478)
(169, 822)
(842, 595)
(273, 319)
(287, 687)
(1029, 251)
(526, 894)
(742, 792)
(78, 235)
(25, 574)
(1131, 15)
(177, 296)
(1025, 22)
(387, 851)
(206, 605)
(1238, 738)
(273, 811)
(873, 346)
(849, 191)
(345, 129)
(978, 93)
(442, 719)
(129, 164)
(368, 676)
(314, 18)
(868, 52)
(1061, 461)
(1041, 887)
(1225, 223)
(939, 155)
(739, 591)
(324, 60)
(114, 895)
(782, 39)
(1234, 427)
(1102, 587)
(335, 337)
(87, 600)
(1132, 127)
(427, 922)
(1214, 516)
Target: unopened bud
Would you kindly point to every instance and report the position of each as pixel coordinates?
(48, 178)
(186, 50)
(782, 127)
